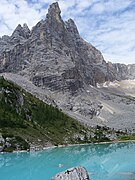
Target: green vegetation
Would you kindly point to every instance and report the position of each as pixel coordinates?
(127, 137)
(23, 115)
(9, 149)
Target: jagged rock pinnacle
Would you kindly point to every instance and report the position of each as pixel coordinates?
(22, 32)
(18, 30)
(54, 11)
(70, 24)
(26, 28)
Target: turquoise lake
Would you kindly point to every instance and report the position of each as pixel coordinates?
(103, 161)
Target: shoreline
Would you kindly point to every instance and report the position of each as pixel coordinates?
(70, 145)
(106, 142)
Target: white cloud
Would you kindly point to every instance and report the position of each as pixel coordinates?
(19, 12)
(82, 5)
(107, 24)
(120, 58)
(98, 8)
(4, 29)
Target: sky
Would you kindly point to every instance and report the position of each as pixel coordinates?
(109, 25)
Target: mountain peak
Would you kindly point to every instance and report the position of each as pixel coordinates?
(18, 30)
(26, 28)
(21, 32)
(54, 11)
(70, 24)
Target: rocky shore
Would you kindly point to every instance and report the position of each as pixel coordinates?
(13, 143)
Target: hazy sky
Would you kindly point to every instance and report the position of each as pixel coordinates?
(107, 24)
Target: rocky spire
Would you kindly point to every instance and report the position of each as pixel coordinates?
(26, 29)
(54, 11)
(71, 26)
(18, 31)
(21, 32)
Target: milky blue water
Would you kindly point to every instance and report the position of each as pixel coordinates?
(104, 162)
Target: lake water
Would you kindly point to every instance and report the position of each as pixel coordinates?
(103, 161)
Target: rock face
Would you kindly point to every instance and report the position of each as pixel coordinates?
(77, 173)
(121, 71)
(2, 141)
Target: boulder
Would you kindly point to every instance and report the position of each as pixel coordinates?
(76, 173)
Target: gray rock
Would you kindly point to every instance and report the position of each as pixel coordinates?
(77, 173)
(2, 143)
(2, 140)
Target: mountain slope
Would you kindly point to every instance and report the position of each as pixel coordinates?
(23, 115)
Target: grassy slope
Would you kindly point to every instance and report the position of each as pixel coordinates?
(23, 115)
